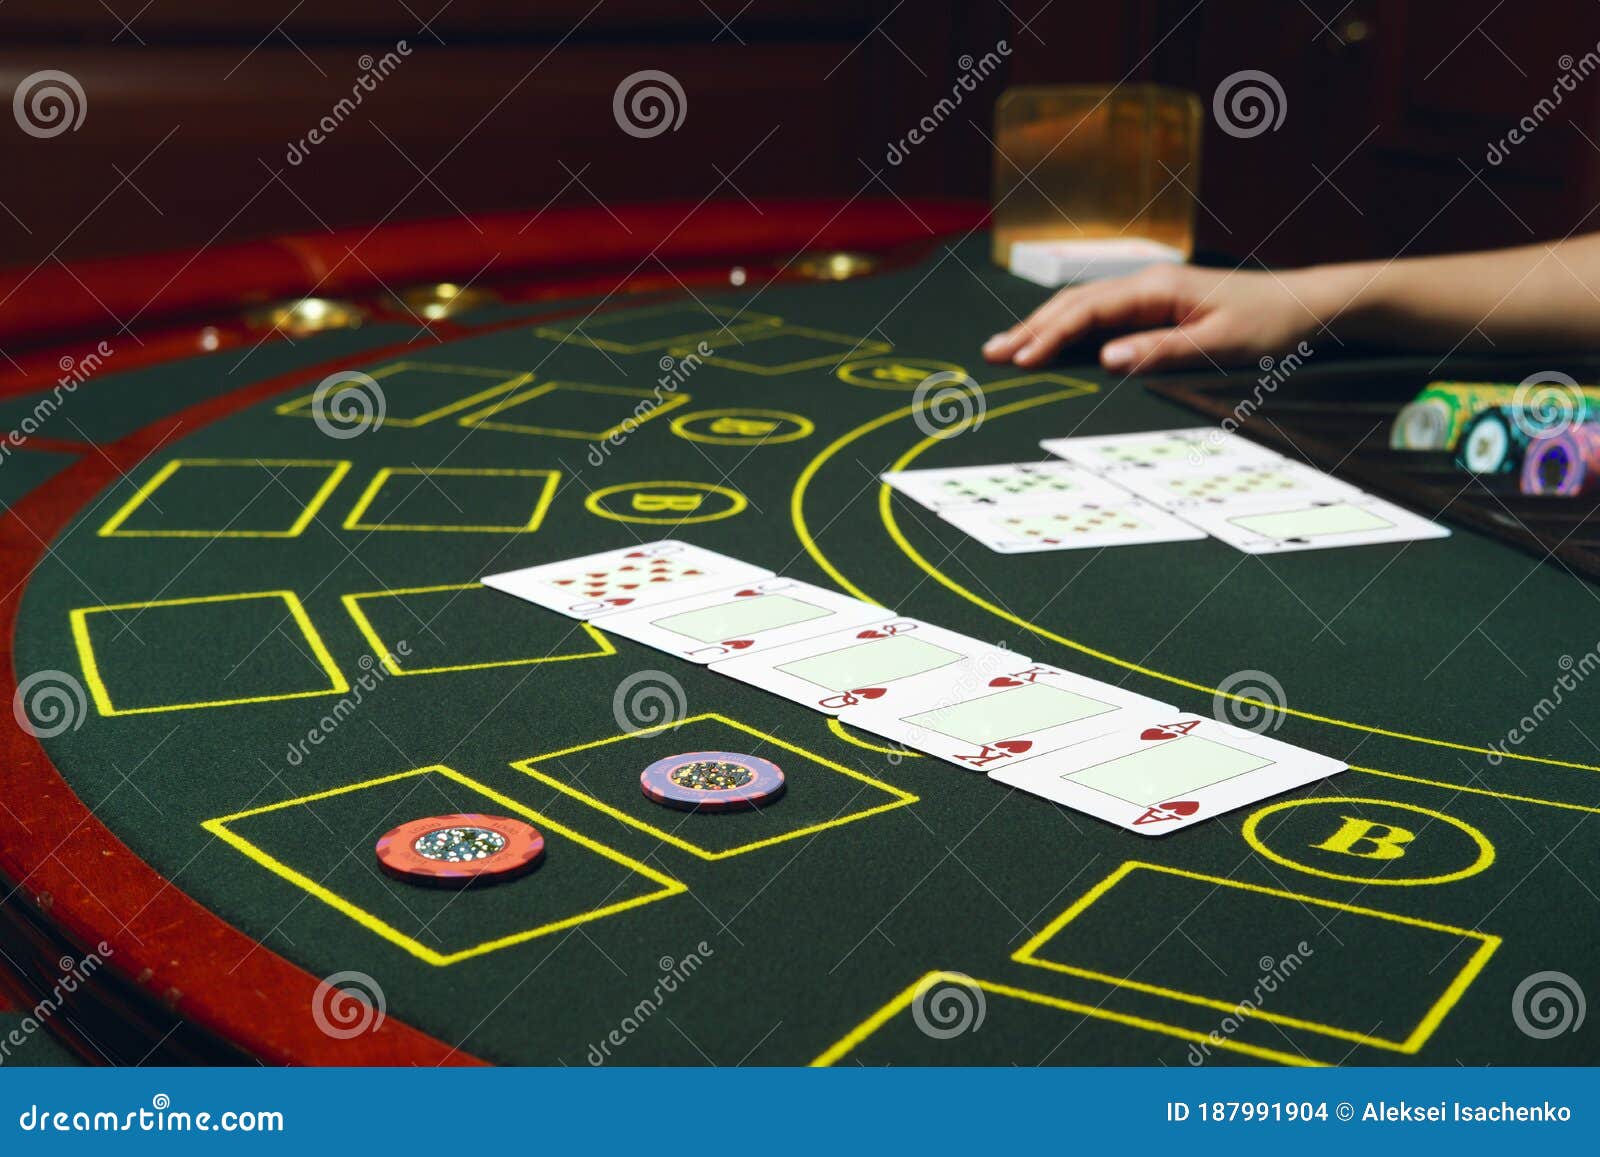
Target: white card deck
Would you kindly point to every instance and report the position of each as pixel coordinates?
(1069, 526)
(1028, 709)
(1161, 773)
(627, 578)
(743, 619)
(892, 660)
(1282, 526)
(1000, 485)
(1229, 484)
(1112, 454)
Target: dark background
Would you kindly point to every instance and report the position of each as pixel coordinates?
(506, 104)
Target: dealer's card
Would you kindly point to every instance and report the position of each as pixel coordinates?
(1184, 488)
(1289, 525)
(1069, 525)
(891, 661)
(1029, 709)
(743, 619)
(1112, 454)
(627, 578)
(1166, 772)
(1002, 485)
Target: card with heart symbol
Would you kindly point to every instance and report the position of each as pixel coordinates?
(1157, 774)
(891, 661)
(1027, 710)
(625, 579)
(744, 619)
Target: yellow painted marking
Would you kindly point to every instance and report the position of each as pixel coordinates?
(219, 828)
(720, 435)
(352, 603)
(659, 402)
(1418, 1036)
(595, 503)
(336, 469)
(541, 505)
(102, 697)
(901, 798)
(886, 514)
(839, 730)
(1455, 787)
(893, 373)
(508, 380)
(854, 346)
(581, 332)
(853, 1039)
(1483, 860)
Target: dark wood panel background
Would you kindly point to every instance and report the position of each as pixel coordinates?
(192, 108)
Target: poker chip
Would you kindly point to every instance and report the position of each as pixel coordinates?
(1563, 463)
(459, 849)
(1494, 442)
(712, 781)
(1422, 425)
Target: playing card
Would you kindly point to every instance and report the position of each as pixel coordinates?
(1068, 525)
(892, 660)
(1029, 709)
(1277, 527)
(626, 578)
(1214, 484)
(1000, 485)
(1114, 453)
(742, 619)
(1160, 773)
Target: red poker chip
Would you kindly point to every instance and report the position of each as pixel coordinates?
(460, 849)
(712, 781)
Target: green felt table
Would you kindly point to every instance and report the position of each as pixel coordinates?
(283, 652)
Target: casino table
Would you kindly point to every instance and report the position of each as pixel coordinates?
(247, 638)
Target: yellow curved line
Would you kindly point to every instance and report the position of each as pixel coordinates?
(838, 729)
(797, 515)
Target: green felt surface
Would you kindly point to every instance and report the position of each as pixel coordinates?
(23, 1042)
(832, 913)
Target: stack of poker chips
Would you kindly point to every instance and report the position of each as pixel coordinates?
(1439, 417)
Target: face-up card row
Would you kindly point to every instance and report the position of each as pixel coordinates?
(1088, 745)
(1158, 486)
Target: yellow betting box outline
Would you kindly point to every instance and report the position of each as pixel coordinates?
(578, 333)
(219, 828)
(541, 507)
(1411, 1043)
(481, 420)
(855, 348)
(102, 696)
(507, 380)
(336, 468)
(352, 603)
(853, 1039)
(901, 798)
